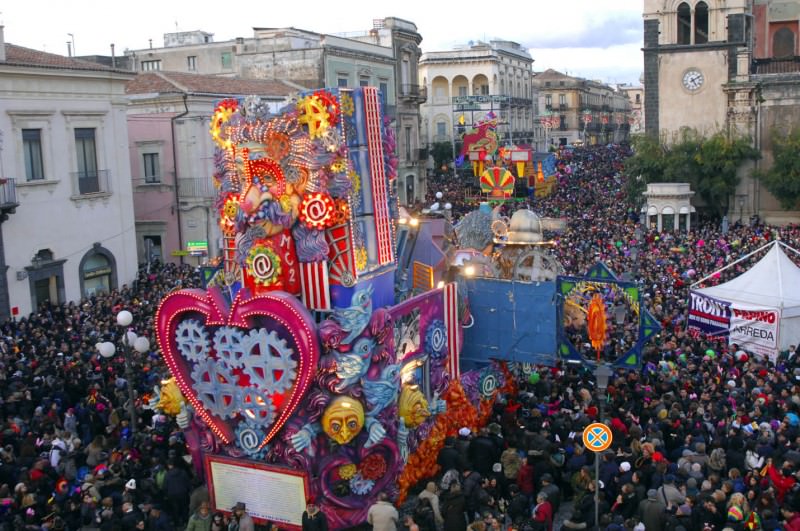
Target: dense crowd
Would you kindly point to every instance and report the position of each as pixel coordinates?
(705, 436)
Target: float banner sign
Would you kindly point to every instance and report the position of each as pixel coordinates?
(271, 494)
(708, 315)
(755, 329)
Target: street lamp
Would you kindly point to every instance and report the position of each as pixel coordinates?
(129, 340)
(602, 373)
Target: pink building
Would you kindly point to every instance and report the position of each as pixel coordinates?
(171, 155)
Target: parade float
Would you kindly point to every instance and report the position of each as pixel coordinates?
(301, 374)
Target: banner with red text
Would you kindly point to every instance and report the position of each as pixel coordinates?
(755, 329)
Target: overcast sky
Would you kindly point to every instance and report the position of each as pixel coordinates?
(597, 39)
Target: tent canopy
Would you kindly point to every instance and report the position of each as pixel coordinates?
(774, 282)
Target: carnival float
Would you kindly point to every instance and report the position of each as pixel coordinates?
(302, 373)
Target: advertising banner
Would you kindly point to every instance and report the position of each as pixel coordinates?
(755, 329)
(708, 315)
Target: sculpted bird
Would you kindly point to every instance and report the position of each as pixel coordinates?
(354, 319)
(352, 366)
(382, 392)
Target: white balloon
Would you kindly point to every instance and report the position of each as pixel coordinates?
(435, 206)
(141, 345)
(131, 337)
(124, 318)
(448, 206)
(439, 195)
(107, 349)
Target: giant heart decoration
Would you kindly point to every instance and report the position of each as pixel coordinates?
(243, 365)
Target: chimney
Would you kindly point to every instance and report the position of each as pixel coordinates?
(2, 44)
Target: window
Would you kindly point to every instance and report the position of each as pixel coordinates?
(684, 24)
(383, 86)
(700, 23)
(151, 65)
(638, 98)
(484, 90)
(86, 153)
(562, 122)
(32, 146)
(152, 169)
(462, 91)
(405, 69)
(191, 63)
(783, 43)
(226, 59)
(408, 142)
(441, 129)
(342, 81)
(562, 100)
(363, 81)
(548, 101)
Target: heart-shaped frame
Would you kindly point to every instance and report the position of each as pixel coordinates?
(278, 312)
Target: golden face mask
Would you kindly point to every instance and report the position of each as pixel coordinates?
(343, 419)
(413, 407)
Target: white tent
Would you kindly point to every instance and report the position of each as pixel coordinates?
(774, 282)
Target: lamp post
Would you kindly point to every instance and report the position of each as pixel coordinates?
(602, 373)
(129, 341)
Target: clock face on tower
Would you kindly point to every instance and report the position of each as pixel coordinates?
(693, 79)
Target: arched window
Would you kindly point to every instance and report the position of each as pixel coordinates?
(98, 271)
(684, 24)
(783, 43)
(701, 23)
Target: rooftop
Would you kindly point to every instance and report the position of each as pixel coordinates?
(180, 82)
(21, 56)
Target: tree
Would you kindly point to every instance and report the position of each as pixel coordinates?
(710, 165)
(442, 153)
(783, 178)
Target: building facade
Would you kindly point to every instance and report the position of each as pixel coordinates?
(66, 148)
(577, 110)
(171, 154)
(725, 65)
(466, 84)
(386, 57)
(635, 95)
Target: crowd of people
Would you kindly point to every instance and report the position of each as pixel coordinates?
(705, 437)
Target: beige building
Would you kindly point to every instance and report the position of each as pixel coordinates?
(725, 65)
(581, 110)
(467, 83)
(635, 95)
(385, 56)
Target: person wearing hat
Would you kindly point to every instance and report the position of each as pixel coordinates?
(240, 518)
(669, 493)
(313, 518)
(651, 512)
(129, 494)
(449, 457)
(158, 519)
(552, 491)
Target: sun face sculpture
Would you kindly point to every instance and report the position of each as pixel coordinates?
(343, 419)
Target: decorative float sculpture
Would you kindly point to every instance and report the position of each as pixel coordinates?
(295, 362)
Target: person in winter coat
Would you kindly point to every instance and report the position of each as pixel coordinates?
(454, 506)
(511, 461)
(525, 478)
(177, 486)
(542, 513)
(382, 515)
(430, 493)
(651, 512)
(201, 519)
(791, 518)
(313, 518)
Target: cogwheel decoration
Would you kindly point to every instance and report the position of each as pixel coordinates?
(257, 407)
(330, 103)
(248, 438)
(339, 165)
(436, 339)
(277, 146)
(264, 265)
(216, 388)
(361, 258)
(331, 141)
(192, 340)
(270, 364)
(346, 104)
(347, 471)
(341, 213)
(488, 385)
(231, 345)
(361, 486)
(356, 180)
(317, 210)
(314, 115)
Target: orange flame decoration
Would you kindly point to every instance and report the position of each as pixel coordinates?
(460, 412)
(596, 323)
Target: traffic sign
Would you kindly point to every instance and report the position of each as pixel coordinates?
(597, 437)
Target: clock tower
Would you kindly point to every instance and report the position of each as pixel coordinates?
(692, 50)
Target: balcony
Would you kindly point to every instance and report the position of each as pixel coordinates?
(8, 198)
(421, 154)
(196, 188)
(89, 183)
(562, 106)
(788, 65)
(413, 93)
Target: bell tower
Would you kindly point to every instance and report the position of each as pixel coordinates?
(692, 50)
